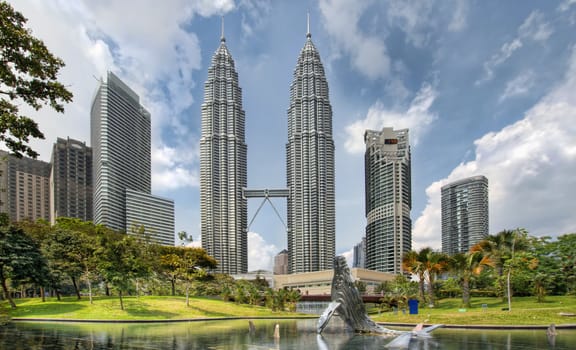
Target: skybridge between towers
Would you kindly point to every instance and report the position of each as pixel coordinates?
(266, 193)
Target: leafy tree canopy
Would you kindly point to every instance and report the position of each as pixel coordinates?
(28, 74)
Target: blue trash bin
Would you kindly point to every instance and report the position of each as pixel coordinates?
(413, 306)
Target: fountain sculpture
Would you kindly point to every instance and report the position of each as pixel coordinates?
(347, 302)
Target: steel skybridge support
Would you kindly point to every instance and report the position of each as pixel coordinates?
(266, 193)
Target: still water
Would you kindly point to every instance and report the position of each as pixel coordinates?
(235, 335)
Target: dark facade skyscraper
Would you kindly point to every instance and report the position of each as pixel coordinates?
(223, 163)
(120, 138)
(71, 180)
(464, 214)
(388, 199)
(310, 167)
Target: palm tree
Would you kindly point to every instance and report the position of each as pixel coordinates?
(501, 249)
(435, 264)
(415, 263)
(468, 265)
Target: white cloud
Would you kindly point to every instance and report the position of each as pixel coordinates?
(412, 17)
(534, 28)
(458, 21)
(349, 255)
(520, 85)
(260, 254)
(367, 53)
(565, 6)
(498, 58)
(529, 166)
(171, 169)
(254, 15)
(417, 117)
(157, 61)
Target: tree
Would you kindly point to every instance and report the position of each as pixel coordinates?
(120, 261)
(468, 265)
(20, 260)
(435, 263)
(501, 249)
(28, 74)
(426, 264)
(414, 262)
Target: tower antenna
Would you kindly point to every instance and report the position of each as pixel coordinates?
(308, 24)
(222, 38)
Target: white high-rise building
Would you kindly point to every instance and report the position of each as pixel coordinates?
(388, 199)
(464, 214)
(121, 144)
(223, 159)
(310, 167)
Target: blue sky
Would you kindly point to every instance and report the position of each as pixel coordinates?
(485, 87)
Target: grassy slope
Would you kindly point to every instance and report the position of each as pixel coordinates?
(525, 311)
(142, 308)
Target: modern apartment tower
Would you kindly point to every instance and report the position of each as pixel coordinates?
(24, 188)
(120, 138)
(310, 167)
(388, 199)
(223, 164)
(464, 214)
(71, 180)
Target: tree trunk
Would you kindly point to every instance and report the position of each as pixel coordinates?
(508, 291)
(173, 282)
(465, 292)
(421, 287)
(121, 301)
(431, 290)
(107, 289)
(57, 292)
(187, 294)
(89, 289)
(42, 291)
(76, 287)
(5, 289)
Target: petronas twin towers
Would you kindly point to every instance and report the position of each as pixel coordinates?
(309, 164)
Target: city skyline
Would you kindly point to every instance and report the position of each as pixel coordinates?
(483, 87)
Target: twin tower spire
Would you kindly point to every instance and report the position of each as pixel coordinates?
(309, 158)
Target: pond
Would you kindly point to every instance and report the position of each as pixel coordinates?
(235, 335)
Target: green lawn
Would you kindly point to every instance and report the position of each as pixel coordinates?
(525, 311)
(142, 308)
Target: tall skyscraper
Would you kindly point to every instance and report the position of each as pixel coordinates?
(223, 159)
(120, 138)
(71, 180)
(24, 188)
(120, 132)
(359, 259)
(388, 199)
(464, 214)
(310, 167)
